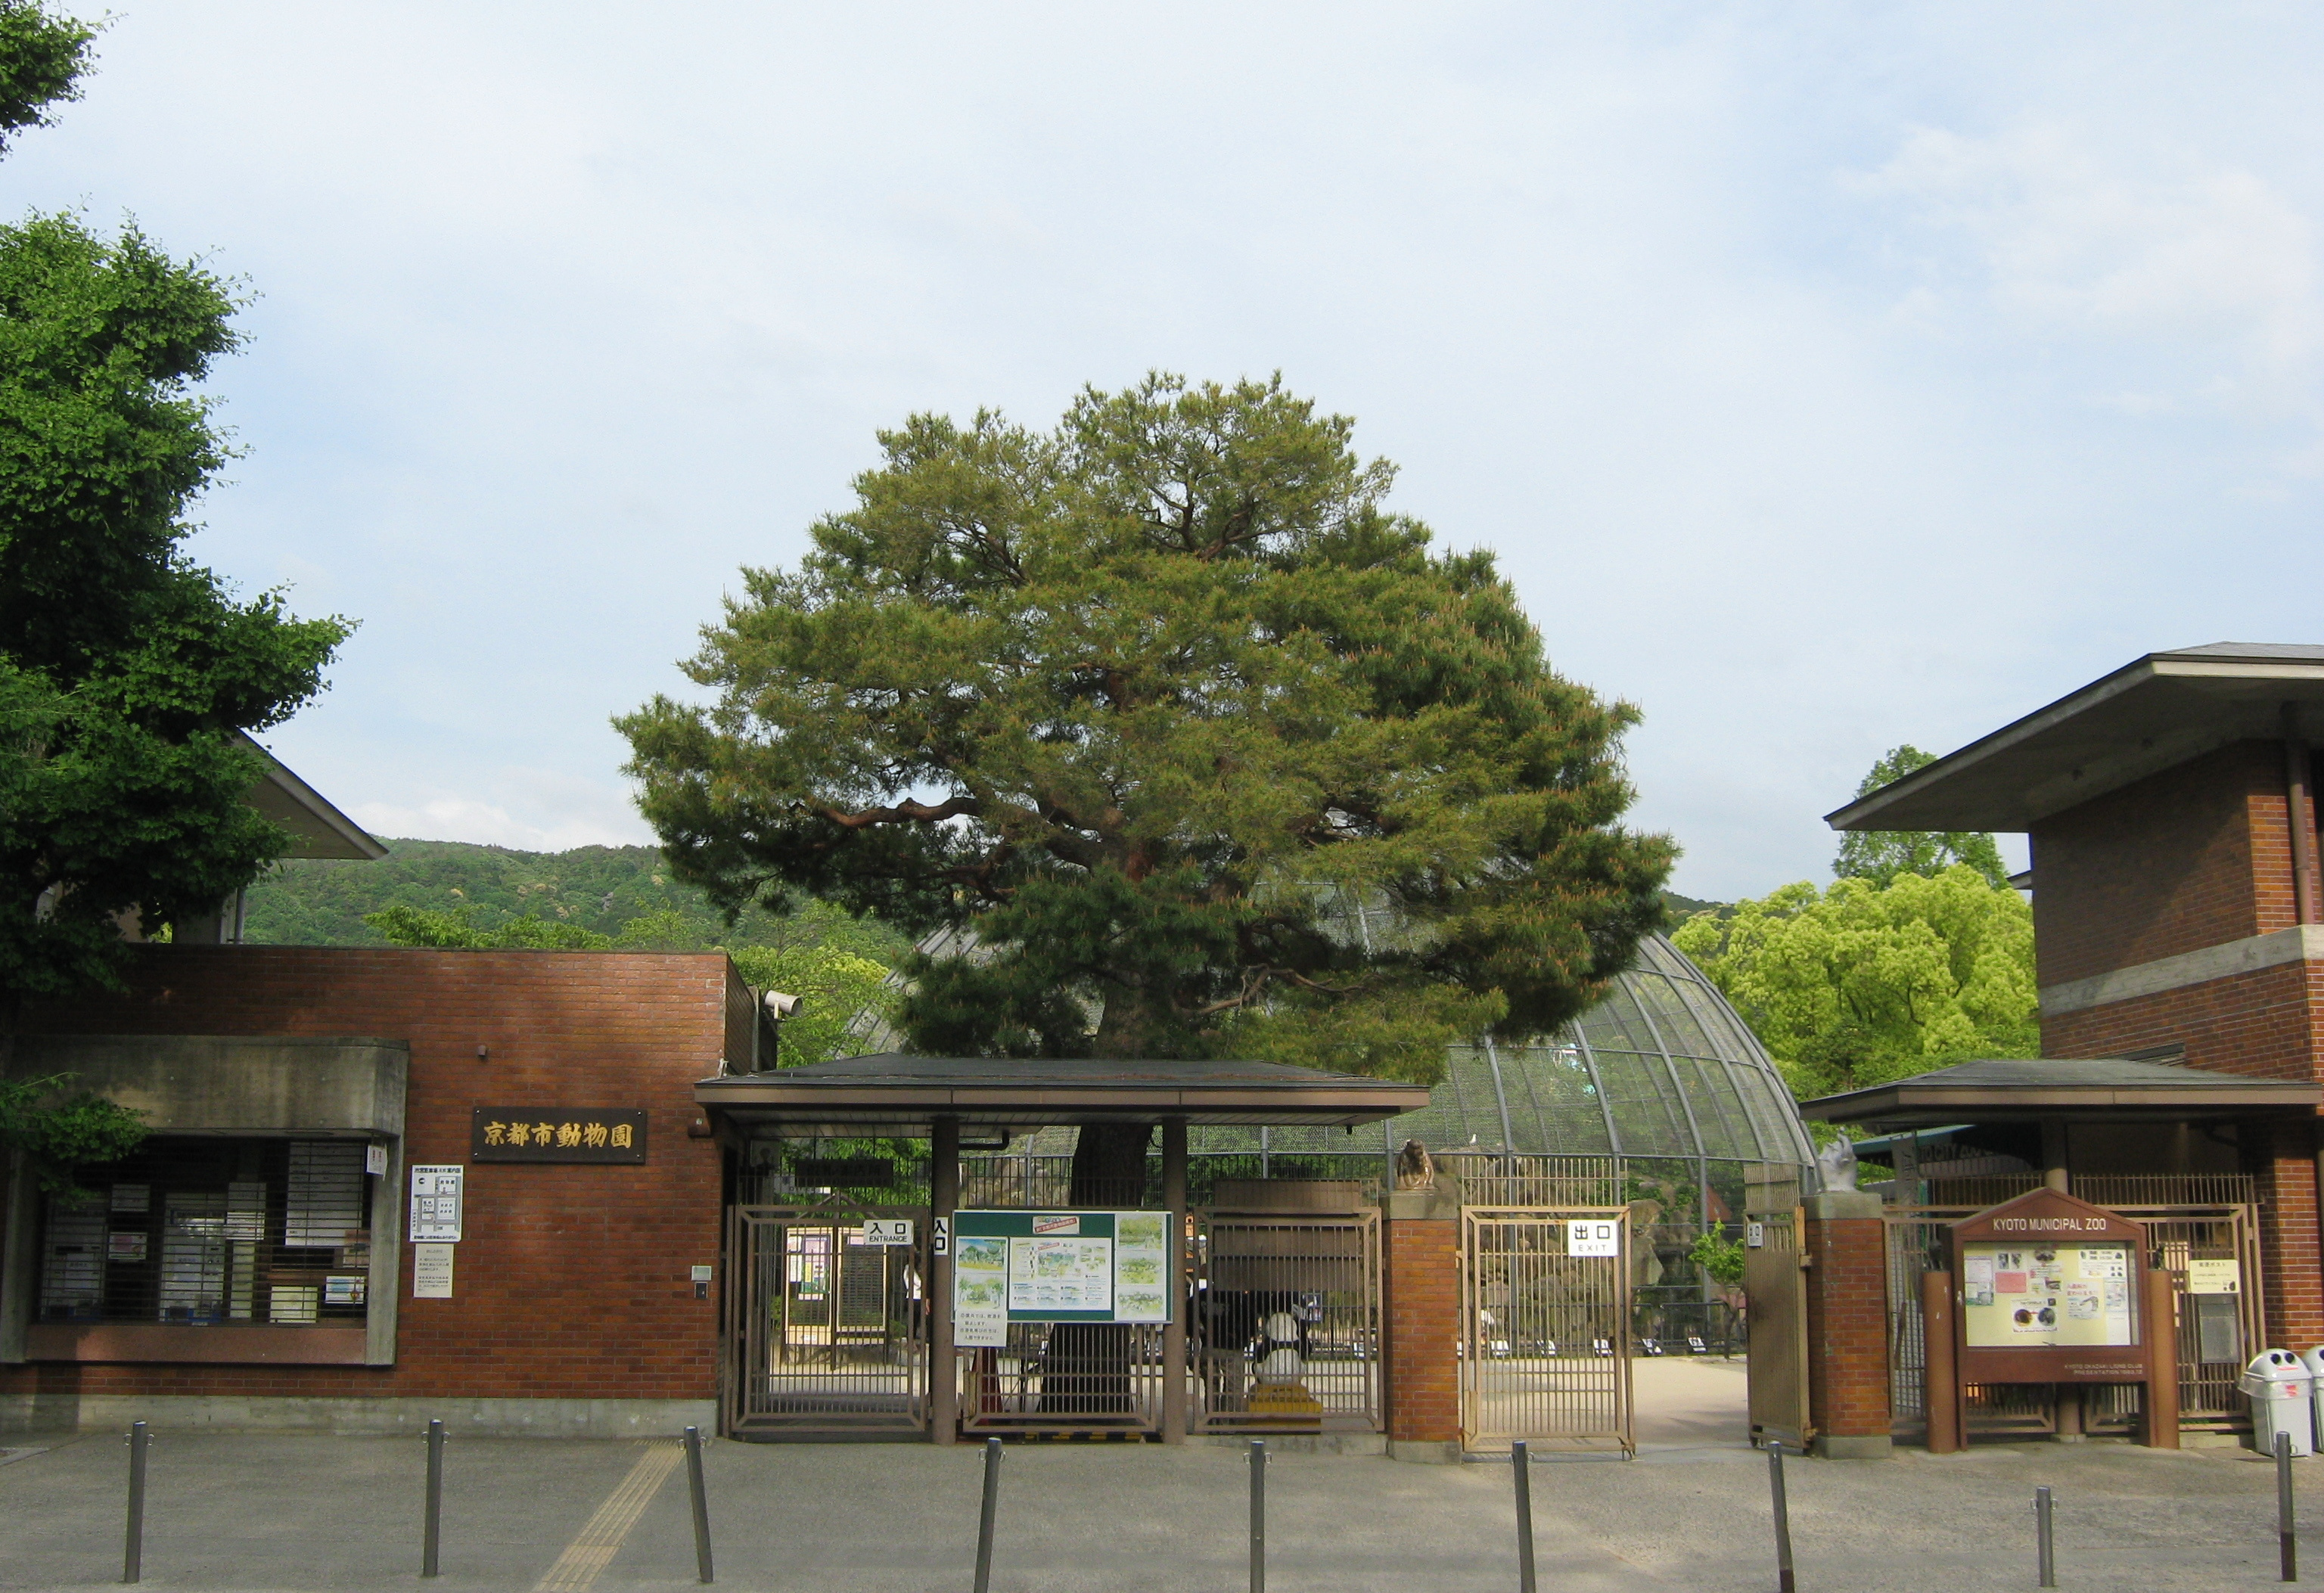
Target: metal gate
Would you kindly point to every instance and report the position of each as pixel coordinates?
(1545, 1326)
(1777, 1292)
(1268, 1282)
(826, 1335)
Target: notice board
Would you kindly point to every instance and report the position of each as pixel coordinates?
(1058, 1266)
(2050, 1290)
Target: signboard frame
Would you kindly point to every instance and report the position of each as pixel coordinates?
(972, 1312)
(2048, 1219)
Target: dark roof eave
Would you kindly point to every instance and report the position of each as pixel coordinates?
(1986, 1103)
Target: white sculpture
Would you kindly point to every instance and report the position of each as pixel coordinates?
(1837, 1164)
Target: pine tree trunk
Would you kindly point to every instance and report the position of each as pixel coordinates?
(1086, 1371)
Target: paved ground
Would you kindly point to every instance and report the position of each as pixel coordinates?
(253, 1512)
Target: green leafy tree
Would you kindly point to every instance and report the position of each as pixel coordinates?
(59, 1128)
(127, 673)
(1147, 702)
(1882, 856)
(42, 55)
(1864, 982)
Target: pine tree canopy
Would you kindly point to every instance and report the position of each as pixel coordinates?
(1153, 702)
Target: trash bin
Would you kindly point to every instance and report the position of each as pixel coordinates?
(2314, 1361)
(2281, 1393)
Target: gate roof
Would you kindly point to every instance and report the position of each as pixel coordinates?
(895, 1094)
(2089, 1089)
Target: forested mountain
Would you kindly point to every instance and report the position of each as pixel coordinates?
(598, 888)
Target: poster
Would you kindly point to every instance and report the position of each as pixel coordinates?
(1052, 1267)
(436, 1204)
(2214, 1277)
(980, 1293)
(431, 1271)
(1141, 1267)
(2046, 1293)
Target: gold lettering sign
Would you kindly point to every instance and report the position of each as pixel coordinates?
(606, 1135)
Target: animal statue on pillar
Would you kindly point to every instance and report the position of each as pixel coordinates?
(1415, 1167)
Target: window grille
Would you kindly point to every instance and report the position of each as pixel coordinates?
(213, 1230)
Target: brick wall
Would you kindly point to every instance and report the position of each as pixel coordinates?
(1848, 1326)
(572, 1281)
(1421, 1289)
(2266, 1024)
(2282, 1158)
(2195, 856)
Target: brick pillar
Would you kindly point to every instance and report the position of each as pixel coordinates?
(1421, 1313)
(2283, 1158)
(1846, 1246)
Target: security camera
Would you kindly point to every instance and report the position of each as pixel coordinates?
(780, 1006)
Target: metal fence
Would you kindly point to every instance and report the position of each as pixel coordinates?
(1546, 1338)
(1285, 1332)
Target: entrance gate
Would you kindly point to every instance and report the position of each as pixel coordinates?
(1545, 1326)
(825, 1334)
(1309, 1280)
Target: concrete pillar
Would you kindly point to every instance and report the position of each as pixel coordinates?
(2054, 1169)
(1846, 1248)
(1421, 1267)
(1174, 1334)
(944, 1361)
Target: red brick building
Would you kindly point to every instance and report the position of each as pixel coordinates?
(2172, 823)
(306, 1084)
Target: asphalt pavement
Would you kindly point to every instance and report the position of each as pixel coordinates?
(248, 1512)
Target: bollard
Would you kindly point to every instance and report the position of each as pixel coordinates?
(984, 1522)
(432, 1523)
(1783, 1579)
(2045, 1555)
(133, 1553)
(701, 1504)
(1258, 1515)
(2287, 1540)
(1521, 1465)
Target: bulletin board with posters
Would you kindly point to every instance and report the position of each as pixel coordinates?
(2050, 1290)
(1058, 1266)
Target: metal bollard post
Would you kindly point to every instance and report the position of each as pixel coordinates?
(984, 1523)
(701, 1504)
(1784, 1579)
(133, 1553)
(431, 1530)
(1521, 1465)
(1258, 1515)
(2045, 1555)
(2287, 1540)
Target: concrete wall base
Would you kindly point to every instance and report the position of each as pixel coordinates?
(1426, 1451)
(1300, 1443)
(1829, 1447)
(356, 1417)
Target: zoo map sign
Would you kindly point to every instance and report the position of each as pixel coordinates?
(1057, 1267)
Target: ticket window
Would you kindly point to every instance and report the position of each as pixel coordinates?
(201, 1231)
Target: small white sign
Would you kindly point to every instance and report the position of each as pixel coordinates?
(701, 1274)
(940, 1236)
(1754, 1236)
(887, 1231)
(2215, 1277)
(1593, 1236)
(431, 1272)
(436, 1204)
(375, 1160)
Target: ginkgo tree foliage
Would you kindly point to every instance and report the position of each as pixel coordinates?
(1145, 700)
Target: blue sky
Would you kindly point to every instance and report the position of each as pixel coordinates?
(1826, 376)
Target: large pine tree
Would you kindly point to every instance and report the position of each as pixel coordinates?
(1150, 702)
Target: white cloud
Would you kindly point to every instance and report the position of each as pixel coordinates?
(2210, 266)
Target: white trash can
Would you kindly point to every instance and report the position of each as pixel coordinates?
(2314, 1361)
(2282, 1391)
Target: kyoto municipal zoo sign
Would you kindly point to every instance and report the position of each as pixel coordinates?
(557, 1133)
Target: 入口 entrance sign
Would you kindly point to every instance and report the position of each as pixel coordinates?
(1058, 1266)
(557, 1134)
(436, 1202)
(887, 1231)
